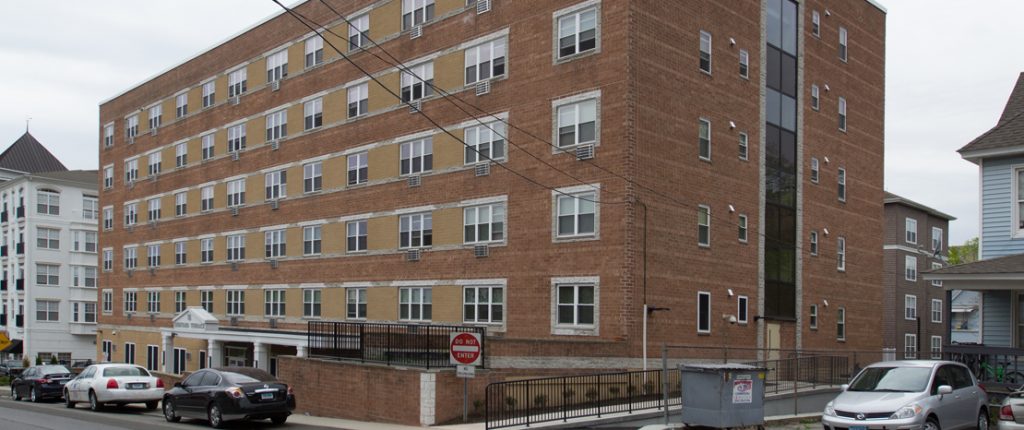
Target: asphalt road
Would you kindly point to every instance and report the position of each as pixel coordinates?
(52, 415)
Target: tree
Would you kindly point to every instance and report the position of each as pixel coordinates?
(963, 254)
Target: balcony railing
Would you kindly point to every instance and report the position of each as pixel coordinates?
(416, 345)
(19, 284)
(999, 370)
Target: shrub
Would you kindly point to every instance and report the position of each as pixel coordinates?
(39, 360)
(510, 402)
(540, 400)
(24, 362)
(591, 394)
(614, 390)
(53, 359)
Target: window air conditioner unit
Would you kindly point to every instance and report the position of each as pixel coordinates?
(233, 321)
(234, 155)
(273, 264)
(272, 322)
(584, 152)
(275, 145)
(152, 224)
(129, 316)
(234, 266)
(152, 178)
(152, 131)
(412, 255)
(415, 106)
(152, 271)
(483, 169)
(152, 317)
(234, 100)
(130, 272)
(131, 184)
(481, 251)
(415, 181)
(130, 228)
(274, 205)
(417, 31)
(483, 87)
(131, 140)
(274, 86)
(234, 211)
(483, 6)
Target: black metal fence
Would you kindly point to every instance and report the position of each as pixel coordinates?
(532, 401)
(415, 345)
(790, 375)
(999, 370)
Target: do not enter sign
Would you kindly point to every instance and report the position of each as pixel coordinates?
(465, 348)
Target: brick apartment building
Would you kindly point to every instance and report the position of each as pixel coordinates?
(711, 158)
(915, 313)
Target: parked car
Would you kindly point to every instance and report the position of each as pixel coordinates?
(40, 382)
(1011, 412)
(11, 368)
(228, 394)
(927, 395)
(118, 384)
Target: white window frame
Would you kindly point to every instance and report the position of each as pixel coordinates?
(313, 114)
(813, 317)
(277, 66)
(312, 177)
(356, 233)
(574, 22)
(312, 302)
(131, 301)
(489, 56)
(910, 225)
(909, 346)
(275, 185)
(358, 100)
(744, 64)
(577, 202)
(277, 125)
(156, 115)
(937, 239)
(936, 282)
(704, 226)
(108, 176)
(180, 303)
(48, 238)
(484, 143)
(355, 303)
(237, 81)
(275, 244)
(131, 170)
(50, 310)
(180, 253)
(236, 138)
(473, 303)
(181, 105)
(841, 324)
(415, 304)
(314, 50)
(843, 44)
(421, 150)
(131, 214)
(274, 303)
(910, 268)
(235, 300)
(910, 307)
(209, 93)
(418, 12)
(705, 52)
(841, 254)
(108, 260)
(155, 164)
(154, 209)
(181, 203)
(842, 115)
(742, 233)
(411, 224)
(312, 240)
(936, 311)
(206, 300)
(358, 168)
(181, 155)
(359, 32)
(814, 242)
(153, 302)
(235, 247)
(704, 139)
(108, 135)
(841, 184)
(577, 326)
(153, 258)
(815, 97)
(477, 219)
(236, 192)
(48, 273)
(206, 198)
(131, 257)
(572, 115)
(107, 297)
(418, 82)
(131, 128)
(815, 23)
(701, 310)
(108, 218)
(742, 309)
(744, 146)
(208, 146)
(936, 347)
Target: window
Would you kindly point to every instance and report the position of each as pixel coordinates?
(48, 275)
(206, 250)
(153, 255)
(155, 164)
(273, 303)
(313, 113)
(1018, 186)
(815, 97)
(275, 243)
(743, 146)
(108, 177)
(815, 170)
(129, 353)
(416, 12)
(236, 82)
(179, 301)
(181, 155)
(154, 209)
(705, 51)
(841, 184)
(236, 192)
(181, 105)
(909, 346)
(108, 260)
(418, 82)
(841, 254)
(108, 218)
(703, 312)
(276, 184)
(179, 360)
(209, 93)
(314, 51)
(911, 228)
(414, 304)
(577, 123)
(208, 146)
(842, 44)
(206, 300)
(108, 135)
(814, 242)
(206, 198)
(937, 311)
(277, 65)
(83, 276)
(47, 310)
(813, 317)
(483, 305)
(131, 170)
(356, 303)
(358, 100)
(181, 204)
(936, 239)
(84, 241)
(277, 125)
(936, 265)
(703, 225)
(485, 143)
(47, 238)
(576, 305)
(130, 301)
(744, 64)
(910, 268)
(936, 347)
(415, 231)
(312, 179)
(236, 138)
(358, 168)
(417, 157)
(910, 307)
(236, 302)
(311, 303)
(108, 301)
(359, 32)
(816, 24)
(131, 128)
(152, 357)
(311, 240)
(704, 139)
(577, 215)
(577, 32)
(155, 115)
(90, 208)
(741, 309)
(180, 253)
(482, 224)
(48, 203)
(153, 302)
(842, 114)
(236, 247)
(485, 61)
(841, 324)
(356, 236)
(742, 224)
(131, 258)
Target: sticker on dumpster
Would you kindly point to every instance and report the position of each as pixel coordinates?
(743, 390)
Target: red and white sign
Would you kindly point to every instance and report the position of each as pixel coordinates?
(465, 348)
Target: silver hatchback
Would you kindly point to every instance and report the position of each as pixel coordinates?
(928, 395)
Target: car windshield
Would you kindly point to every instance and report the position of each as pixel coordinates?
(125, 371)
(892, 379)
(47, 370)
(247, 376)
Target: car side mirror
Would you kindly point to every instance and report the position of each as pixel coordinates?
(844, 387)
(178, 385)
(945, 389)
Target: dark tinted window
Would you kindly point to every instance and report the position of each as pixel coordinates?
(193, 379)
(241, 375)
(125, 371)
(961, 378)
(943, 376)
(210, 379)
(46, 370)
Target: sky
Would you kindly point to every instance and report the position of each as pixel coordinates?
(949, 71)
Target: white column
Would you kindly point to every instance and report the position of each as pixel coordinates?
(168, 352)
(261, 355)
(215, 353)
(300, 351)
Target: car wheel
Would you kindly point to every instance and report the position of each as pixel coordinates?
(152, 405)
(215, 416)
(14, 393)
(169, 413)
(932, 424)
(67, 400)
(34, 395)
(279, 419)
(983, 420)
(94, 404)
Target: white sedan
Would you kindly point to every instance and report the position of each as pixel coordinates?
(118, 384)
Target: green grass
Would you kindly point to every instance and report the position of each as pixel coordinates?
(4, 381)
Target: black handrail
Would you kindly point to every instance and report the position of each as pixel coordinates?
(415, 345)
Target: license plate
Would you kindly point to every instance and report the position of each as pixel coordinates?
(267, 396)
(136, 386)
(858, 427)
(63, 382)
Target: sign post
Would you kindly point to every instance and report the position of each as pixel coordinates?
(465, 352)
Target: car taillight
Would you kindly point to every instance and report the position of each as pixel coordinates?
(111, 384)
(159, 383)
(235, 392)
(43, 381)
(1006, 413)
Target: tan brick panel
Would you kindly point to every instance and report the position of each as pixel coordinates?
(386, 20)
(294, 307)
(447, 226)
(382, 233)
(295, 182)
(297, 57)
(448, 152)
(334, 240)
(448, 71)
(256, 74)
(254, 246)
(294, 238)
(382, 304)
(378, 97)
(335, 173)
(442, 7)
(296, 122)
(383, 162)
(335, 106)
(446, 304)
